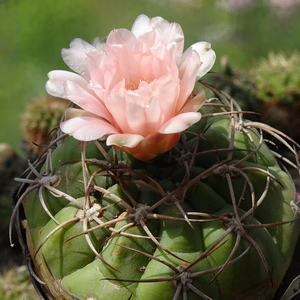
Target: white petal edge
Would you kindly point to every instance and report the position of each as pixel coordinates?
(180, 122)
(55, 86)
(124, 140)
(81, 45)
(144, 24)
(207, 57)
(75, 56)
(87, 128)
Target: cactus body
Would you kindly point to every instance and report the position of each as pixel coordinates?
(213, 218)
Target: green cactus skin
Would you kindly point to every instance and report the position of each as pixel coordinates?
(214, 218)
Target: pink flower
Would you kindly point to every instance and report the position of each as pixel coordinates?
(135, 88)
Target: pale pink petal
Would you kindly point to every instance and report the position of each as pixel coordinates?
(171, 34)
(164, 31)
(144, 24)
(121, 36)
(124, 140)
(180, 122)
(195, 103)
(95, 61)
(116, 105)
(167, 90)
(207, 57)
(81, 45)
(144, 120)
(188, 69)
(86, 99)
(55, 86)
(75, 56)
(87, 128)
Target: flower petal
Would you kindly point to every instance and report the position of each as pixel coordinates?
(55, 86)
(75, 56)
(144, 24)
(72, 86)
(207, 57)
(86, 99)
(180, 122)
(124, 140)
(168, 33)
(86, 126)
(195, 103)
(144, 120)
(188, 68)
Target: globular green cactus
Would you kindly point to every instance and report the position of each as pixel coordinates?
(38, 121)
(216, 217)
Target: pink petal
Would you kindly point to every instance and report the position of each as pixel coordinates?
(86, 127)
(144, 120)
(75, 56)
(86, 99)
(72, 86)
(180, 122)
(195, 103)
(55, 86)
(188, 68)
(167, 32)
(81, 45)
(121, 36)
(124, 140)
(207, 57)
(144, 24)
(116, 105)
(166, 90)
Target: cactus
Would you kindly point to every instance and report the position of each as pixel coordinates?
(277, 83)
(38, 121)
(216, 217)
(142, 196)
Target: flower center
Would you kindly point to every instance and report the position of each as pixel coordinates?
(133, 83)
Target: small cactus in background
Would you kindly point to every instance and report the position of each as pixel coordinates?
(277, 81)
(38, 122)
(237, 84)
(121, 215)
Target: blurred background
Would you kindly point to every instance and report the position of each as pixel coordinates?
(33, 32)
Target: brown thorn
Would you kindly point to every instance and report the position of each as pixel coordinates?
(101, 149)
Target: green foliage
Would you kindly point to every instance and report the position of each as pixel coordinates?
(277, 78)
(15, 284)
